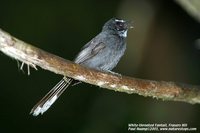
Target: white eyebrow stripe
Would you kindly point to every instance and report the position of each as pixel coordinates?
(119, 20)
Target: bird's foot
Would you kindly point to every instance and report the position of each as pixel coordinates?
(113, 73)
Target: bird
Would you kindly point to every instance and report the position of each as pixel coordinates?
(102, 53)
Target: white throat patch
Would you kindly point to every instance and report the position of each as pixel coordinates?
(123, 33)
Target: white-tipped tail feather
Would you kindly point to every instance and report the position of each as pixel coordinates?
(45, 103)
(45, 107)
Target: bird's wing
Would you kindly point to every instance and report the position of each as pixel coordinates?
(89, 51)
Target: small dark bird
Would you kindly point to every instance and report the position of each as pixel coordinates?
(102, 53)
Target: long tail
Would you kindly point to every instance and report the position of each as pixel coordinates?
(45, 103)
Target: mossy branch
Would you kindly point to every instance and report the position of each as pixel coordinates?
(33, 56)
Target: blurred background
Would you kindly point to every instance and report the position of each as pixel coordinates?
(164, 45)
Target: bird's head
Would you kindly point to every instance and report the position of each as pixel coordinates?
(118, 26)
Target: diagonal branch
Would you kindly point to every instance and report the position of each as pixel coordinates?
(33, 56)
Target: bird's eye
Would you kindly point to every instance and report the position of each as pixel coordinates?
(119, 26)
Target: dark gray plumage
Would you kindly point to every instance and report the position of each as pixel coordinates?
(102, 53)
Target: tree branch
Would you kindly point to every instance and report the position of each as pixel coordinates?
(33, 56)
(192, 7)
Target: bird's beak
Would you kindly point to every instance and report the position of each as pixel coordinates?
(129, 24)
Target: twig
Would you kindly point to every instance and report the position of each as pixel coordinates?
(33, 56)
(192, 7)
